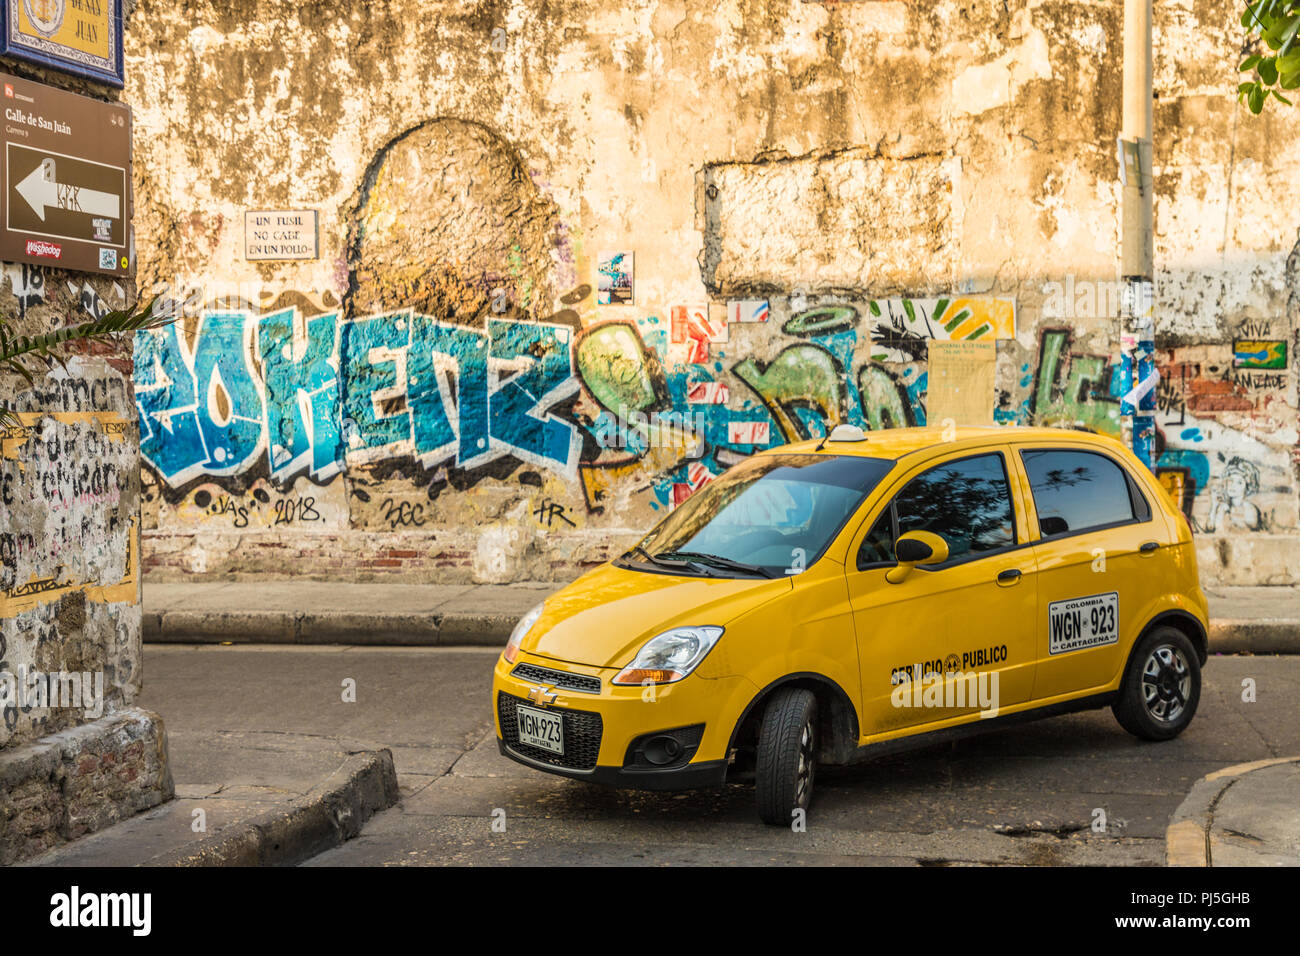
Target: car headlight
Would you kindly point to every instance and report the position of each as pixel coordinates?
(521, 630)
(669, 656)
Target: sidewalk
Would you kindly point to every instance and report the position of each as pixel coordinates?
(1242, 620)
(1245, 815)
(246, 799)
(324, 612)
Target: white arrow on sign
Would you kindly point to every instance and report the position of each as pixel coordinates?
(42, 190)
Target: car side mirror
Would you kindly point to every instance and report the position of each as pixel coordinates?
(913, 549)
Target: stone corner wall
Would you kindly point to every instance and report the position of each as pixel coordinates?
(81, 780)
(75, 753)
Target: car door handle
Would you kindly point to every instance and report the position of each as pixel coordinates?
(1009, 576)
(1148, 546)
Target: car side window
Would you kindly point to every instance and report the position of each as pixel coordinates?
(1078, 490)
(966, 502)
(878, 545)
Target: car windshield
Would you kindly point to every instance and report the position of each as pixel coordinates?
(768, 516)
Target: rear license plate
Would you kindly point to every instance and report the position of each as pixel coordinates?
(1080, 623)
(540, 728)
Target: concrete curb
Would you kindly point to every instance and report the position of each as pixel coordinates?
(330, 814)
(484, 629)
(298, 627)
(1188, 836)
(1259, 636)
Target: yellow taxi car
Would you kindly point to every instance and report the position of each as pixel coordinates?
(828, 601)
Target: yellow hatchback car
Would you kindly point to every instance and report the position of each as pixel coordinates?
(825, 602)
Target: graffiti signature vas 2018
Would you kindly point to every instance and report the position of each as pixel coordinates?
(828, 601)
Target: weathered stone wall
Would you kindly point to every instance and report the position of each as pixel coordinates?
(69, 495)
(74, 754)
(812, 193)
(81, 780)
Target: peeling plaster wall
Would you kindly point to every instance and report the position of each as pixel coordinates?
(69, 514)
(436, 395)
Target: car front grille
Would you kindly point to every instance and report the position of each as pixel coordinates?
(582, 731)
(565, 680)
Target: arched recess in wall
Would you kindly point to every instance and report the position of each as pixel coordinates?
(446, 214)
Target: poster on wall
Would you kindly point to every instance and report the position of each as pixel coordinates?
(614, 282)
(76, 36)
(961, 382)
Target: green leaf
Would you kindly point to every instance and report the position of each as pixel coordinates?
(1281, 97)
(1249, 63)
(20, 369)
(1255, 100)
(1268, 70)
(1289, 36)
(107, 326)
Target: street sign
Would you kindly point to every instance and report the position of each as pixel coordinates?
(77, 36)
(66, 200)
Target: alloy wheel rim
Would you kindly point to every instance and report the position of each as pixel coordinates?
(804, 772)
(1166, 683)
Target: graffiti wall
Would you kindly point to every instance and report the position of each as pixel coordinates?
(572, 264)
(395, 422)
(285, 420)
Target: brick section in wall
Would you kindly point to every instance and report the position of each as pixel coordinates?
(81, 780)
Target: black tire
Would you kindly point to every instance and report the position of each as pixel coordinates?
(787, 755)
(1161, 686)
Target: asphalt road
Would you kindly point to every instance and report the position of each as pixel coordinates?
(1024, 795)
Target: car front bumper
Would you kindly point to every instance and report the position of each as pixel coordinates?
(605, 731)
(693, 776)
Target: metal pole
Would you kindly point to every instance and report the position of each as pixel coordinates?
(1137, 312)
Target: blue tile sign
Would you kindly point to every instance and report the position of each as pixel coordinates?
(76, 36)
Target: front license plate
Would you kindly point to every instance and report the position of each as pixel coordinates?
(1084, 622)
(540, 728)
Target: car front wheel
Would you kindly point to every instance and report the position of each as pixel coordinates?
(787, 755)
(1161, 687)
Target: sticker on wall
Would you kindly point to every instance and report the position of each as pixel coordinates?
(907, 324)
(691, 331)
(748, 310)
(748, 433)
(697, 476)
(719, 324)
(614, 282)
(1255, 353)
(708, 393)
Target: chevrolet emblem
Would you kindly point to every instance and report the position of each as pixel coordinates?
(540, 695)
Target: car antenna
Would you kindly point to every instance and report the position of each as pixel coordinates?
(844, 433)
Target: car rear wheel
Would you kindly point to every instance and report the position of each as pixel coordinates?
(787, 755)
(1161, 687)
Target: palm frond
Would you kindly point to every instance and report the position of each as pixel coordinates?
(17, 350)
